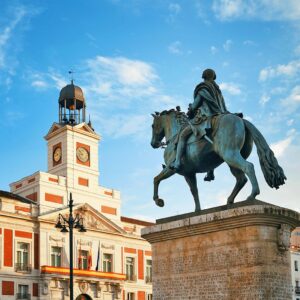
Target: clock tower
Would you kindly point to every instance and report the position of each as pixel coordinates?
(73, 143)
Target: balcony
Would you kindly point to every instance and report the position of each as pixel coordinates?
(130, 277)
(148, 279)
(23, 296)
(297, 290)
(24, 268)
(82, 273)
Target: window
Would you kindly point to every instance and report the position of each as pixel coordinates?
(130, 269)
(83, 259)
(22, 263)
(23, 292)
(148, 271)
(296, 265)
(107, 262)
(297, 284)
(56, 256)
(149, 297)
(130, 296)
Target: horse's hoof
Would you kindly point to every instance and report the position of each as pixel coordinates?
(159, 202)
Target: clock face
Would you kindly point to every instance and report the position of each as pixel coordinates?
(57, 154)
(82, 154)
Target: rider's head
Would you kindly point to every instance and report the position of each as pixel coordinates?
(209, 75)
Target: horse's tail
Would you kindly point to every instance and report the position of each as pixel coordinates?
(273, 173)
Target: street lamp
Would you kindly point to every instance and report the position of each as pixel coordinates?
(71, 222)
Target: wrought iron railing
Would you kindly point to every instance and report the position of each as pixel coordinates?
(21, 267)
(23, 296)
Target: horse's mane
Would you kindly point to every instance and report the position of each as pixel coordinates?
(180, 116)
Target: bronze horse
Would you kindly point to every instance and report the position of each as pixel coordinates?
(232, 143)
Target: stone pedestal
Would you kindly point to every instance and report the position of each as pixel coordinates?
(238, 252)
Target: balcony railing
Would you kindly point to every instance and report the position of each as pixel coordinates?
(130, 277)
(297, 290)
(148, 279)
(23, 296)
(20, 267)
(82, 273)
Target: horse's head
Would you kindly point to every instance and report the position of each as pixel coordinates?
(157, 130)
(165, 124)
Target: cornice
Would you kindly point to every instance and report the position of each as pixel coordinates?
(252, 215)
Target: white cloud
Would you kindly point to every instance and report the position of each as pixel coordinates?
(114, 87)
(227, 45)
(7, 32)
(257, 9)
(292, 101)
(288, 70)
(230, 88)
(39, 84)
(175, 48)
(128, 72)
(264, 99)
(174, 11)
(249, 43)
(280, 147)
(213, 50)
(174, 8)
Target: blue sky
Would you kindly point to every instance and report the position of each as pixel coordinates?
(135, 57)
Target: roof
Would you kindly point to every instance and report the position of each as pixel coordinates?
(16, 197)
(136, 221)
(71, 91)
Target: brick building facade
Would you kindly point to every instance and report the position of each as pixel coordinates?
(111, 260)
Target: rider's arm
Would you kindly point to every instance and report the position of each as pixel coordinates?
(197, 102)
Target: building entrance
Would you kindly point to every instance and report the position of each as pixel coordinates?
(84, 297)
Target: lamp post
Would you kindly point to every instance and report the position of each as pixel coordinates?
(70, 222)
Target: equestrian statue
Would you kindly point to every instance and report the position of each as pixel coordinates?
(207, 136)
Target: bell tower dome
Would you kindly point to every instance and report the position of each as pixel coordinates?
(73, 143)
(71, 105)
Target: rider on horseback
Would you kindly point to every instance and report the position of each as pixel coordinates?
(208, 102)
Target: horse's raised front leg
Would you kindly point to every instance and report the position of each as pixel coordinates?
(192, 182)
(164, 174)
(241, 180)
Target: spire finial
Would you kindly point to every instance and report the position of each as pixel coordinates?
(71, 73)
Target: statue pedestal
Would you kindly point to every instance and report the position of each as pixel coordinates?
(241, 252)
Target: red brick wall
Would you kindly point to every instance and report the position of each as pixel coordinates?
(141, 295)
(22, 208)
(140, 264)
(54, 198)
(83, 181)
(108, 210)
(32, 196)
(129, 250)
(8, 288)
(35, 289)
(23, 234)
(36, 251)
(8, 249)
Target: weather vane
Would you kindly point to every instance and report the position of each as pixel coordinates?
(71, 73)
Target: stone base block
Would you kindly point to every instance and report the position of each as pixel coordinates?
(241, 252)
